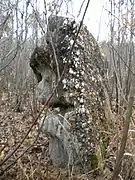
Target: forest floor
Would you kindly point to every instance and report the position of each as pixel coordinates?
(31, 160)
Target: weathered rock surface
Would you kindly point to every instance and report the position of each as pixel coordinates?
(77, 115)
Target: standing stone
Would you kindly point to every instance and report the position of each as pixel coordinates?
(77, 117)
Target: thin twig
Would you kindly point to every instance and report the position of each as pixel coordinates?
(122, 59)
(119, 21)
(81, 8)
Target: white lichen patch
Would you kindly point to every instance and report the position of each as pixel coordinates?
(71, 71)
(93, 79)
(84, 125)
(77, 86)
(77, 52)
(64, 60)
(82, 90)
(71, 95)
(82, 72)
(71, 42)
(82, 84)
(76, 65)
(82, 110)
(81, 100)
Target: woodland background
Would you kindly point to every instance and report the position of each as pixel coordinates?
(23, 151)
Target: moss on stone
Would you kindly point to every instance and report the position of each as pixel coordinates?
(94, 161)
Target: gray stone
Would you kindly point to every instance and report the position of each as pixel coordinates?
(74, 130)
